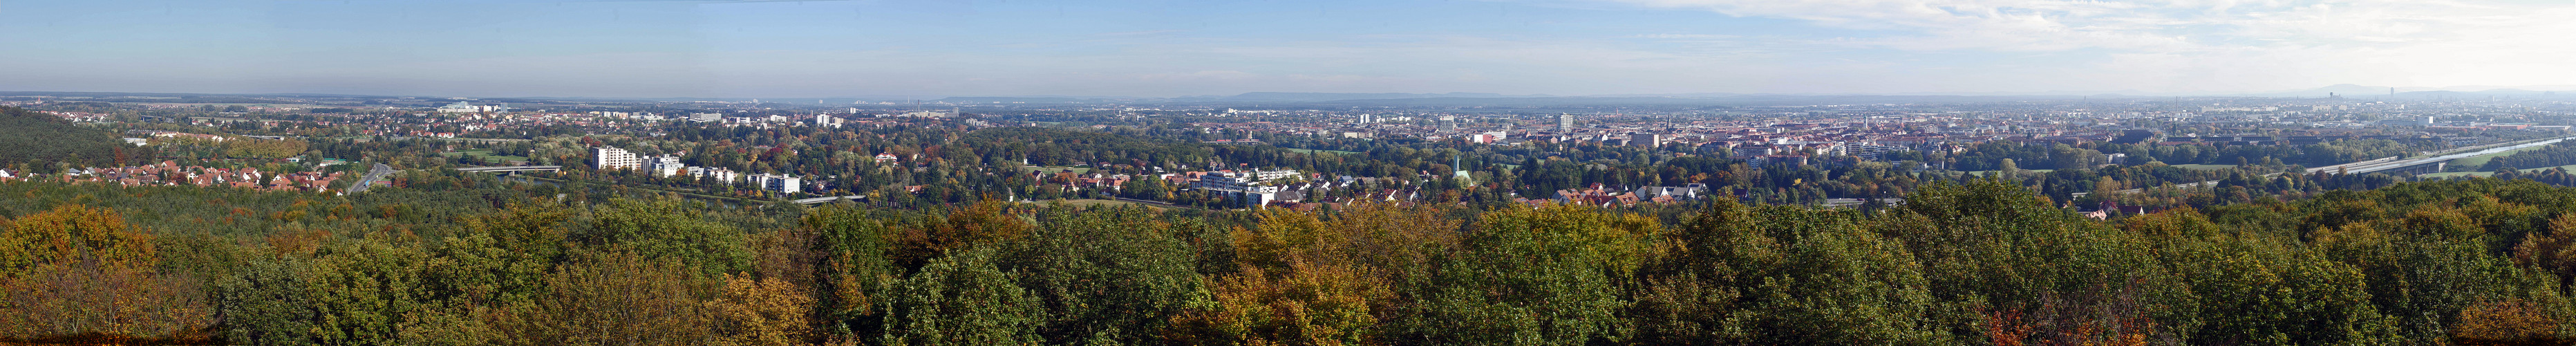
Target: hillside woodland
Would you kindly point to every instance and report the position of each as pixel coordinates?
(1987, 263)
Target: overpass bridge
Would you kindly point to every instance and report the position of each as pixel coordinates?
(497, 169)
(820, 200)
(2432, 162)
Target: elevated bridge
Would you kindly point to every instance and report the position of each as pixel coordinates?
(2404, 167)
(498, 169)
(2430, 163)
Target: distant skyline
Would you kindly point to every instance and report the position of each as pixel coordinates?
(810, 49)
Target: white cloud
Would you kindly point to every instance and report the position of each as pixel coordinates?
(2213, 45)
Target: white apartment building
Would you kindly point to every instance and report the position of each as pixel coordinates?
(1254, 187)
(462, 107)
(721, 174)
(781, 183)
(665, 165)
(607, 158)
(1645, 139)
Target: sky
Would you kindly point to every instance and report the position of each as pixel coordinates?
(932, 48)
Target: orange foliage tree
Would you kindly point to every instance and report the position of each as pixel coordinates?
(77, 271)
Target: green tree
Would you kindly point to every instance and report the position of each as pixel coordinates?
(666, 229)
(1112, 275)
(1531, 276)
(1784, 275)
(850, 251)
(961, 299)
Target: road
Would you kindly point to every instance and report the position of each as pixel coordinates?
(373, 174)
(2395, 162)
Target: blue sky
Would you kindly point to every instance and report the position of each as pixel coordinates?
(1222, 47)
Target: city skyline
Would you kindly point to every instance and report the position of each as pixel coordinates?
(811, 49)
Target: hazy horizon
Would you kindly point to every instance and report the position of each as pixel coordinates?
(839, 49)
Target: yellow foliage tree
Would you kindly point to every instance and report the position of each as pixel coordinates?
(2506, 322)
(77, 272)
(68, 233)
(766, 311)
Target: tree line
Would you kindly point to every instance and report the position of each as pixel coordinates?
(1983, 262)
(44, 142)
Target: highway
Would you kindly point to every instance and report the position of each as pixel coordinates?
(373, 173)
(2389, 163)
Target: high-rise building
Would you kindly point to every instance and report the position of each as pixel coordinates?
(1448, 123)
(1645, 139)
(606, 158)
(1565, 122)
(1368, 118)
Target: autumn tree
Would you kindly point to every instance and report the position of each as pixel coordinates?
(78, 270)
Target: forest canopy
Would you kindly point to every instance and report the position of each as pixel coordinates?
(31, 140)
(2458, 262)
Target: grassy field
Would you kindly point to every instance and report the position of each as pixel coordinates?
(1311, 151)
(2202, 167)
(2473, 162)
(486, 154)
(2028, 171)
(1076, 170)
(2483, 174)
(1098, 203)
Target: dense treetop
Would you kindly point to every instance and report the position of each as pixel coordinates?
(1983, 262)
